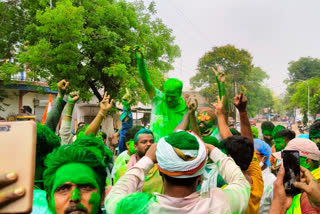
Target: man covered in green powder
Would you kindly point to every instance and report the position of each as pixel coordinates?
(207, 118)
(74, 180)
(267, 128)
(169, 107)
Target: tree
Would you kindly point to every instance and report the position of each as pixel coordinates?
(240, 75)
(300, 97)
(12, 23)
(91, 44)
(303, 69)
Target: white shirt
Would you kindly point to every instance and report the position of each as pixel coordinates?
(268, 179)
(233, 199)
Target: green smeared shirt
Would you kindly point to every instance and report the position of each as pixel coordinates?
(164, 119)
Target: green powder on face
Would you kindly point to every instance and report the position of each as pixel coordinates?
(75, 194)
(95, 202)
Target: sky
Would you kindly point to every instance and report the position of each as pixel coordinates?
(275, 32)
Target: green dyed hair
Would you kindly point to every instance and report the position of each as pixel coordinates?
(173, 83)
(255, 132)
(183, 140)
(314, 130)
(47, 141)
(82, 130)
(277, 129)
(141, 131)
(95, 144)
(267, 125)
(235, 132)
(135, 203)
(215, 142)
(73, 154)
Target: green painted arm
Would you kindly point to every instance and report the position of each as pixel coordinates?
(222, 90)
(144, 74)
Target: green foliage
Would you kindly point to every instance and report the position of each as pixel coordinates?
(91, 44)
(300, 96)
(12, 23)
(240, 76)
(6, 70)
(303, 69)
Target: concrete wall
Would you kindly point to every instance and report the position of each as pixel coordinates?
(27, 100)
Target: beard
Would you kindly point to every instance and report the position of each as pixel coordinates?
(142, 153)
(203, 127)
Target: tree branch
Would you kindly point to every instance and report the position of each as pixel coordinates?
(95, 90)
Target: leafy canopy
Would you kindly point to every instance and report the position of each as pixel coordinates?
(240, 75)
(91, 44)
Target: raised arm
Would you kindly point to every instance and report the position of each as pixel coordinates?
(144, 72)
(222, 125)
(65, 130)
(105, 106)
(220, 79)
(240, 103)
(189, 119)
(126, 120)
(54, 115)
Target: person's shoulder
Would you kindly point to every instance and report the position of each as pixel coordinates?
(136, 202)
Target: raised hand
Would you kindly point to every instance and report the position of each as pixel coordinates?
(281, 202)
(139, 51)
(106, 104)
(219, 74)
(240, 102)
(192, 104)
(73, 97)
(312, 188)
(62, 87)
(218, 105)
(127, 96)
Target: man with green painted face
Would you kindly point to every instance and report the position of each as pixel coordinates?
(169, 107)
(309, 158)
(74, 180)
(314, 133)
(267, 128)
(281, 139)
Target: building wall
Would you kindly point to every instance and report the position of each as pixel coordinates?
(13, 101)
(27, 100)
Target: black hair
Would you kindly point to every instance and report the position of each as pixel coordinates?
(267, 125)
(180, 181)
(314, 128)
(103, 135)
(80, 123)
(240, 149)
(287, 134)
(132, 132)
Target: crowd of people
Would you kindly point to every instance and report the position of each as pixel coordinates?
(189, 161)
